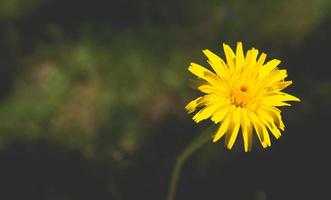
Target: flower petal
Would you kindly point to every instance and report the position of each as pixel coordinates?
(192, 105)
(234, 126)
(261, 60)
(240, 58)
(247, 131)
(223, 128)
(251, 56)
(287, 97)
(217, 64)
(205, 113)
(206, 88)
(205, 74)
(268, 121)
(230, 56)
(277, 99)
(281, 85)
(268, 67)
(210, 99)
(274, 76)
(265, 133)
(275, 114)
(198, 70)
(258, 129)
(220, 114)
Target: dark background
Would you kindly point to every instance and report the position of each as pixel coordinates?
(92, 97)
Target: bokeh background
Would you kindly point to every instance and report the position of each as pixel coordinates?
(92, 97)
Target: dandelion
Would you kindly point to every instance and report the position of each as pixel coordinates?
(242, 93)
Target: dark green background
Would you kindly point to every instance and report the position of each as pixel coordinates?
(92, 97)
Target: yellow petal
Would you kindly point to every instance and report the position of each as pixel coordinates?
(192, 105)
(273, 101)
(247, 130)
(251, 55)
(211, 98)
(268, 67)
(274, 76)
(217, 64)
(214, 80)
(223, 128)
(240, 59)
(230, 56)
(261, 60)
(275, 132)
(235, 129)
(203, 73)
(278, 99)
(270, 124)
(244, 133)
(258, 130)
(250, 135)
(265, 134)
(206, 88)
(220, 114)
(281, 85)
(275, 114)
(287, 97)
(205, 113)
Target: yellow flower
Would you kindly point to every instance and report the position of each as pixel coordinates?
(242, 93)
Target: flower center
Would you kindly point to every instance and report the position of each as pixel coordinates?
(239, 96)
(244, 88)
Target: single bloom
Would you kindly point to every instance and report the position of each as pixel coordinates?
(241, 94)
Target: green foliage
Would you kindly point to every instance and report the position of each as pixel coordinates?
(13, 9)
(91, 96)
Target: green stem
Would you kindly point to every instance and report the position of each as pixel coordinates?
(180, 160)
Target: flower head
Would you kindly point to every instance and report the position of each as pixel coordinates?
(242, 93)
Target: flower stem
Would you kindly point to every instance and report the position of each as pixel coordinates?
(180, 160)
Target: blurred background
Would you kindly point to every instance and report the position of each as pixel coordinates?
(92, 97)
